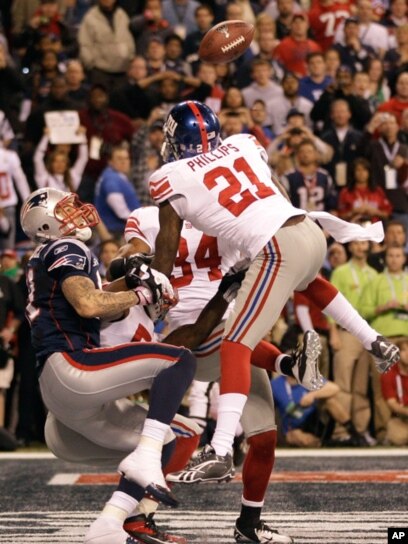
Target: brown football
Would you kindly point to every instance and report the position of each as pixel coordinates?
(226, 41)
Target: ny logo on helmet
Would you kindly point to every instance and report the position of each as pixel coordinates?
(170, 125)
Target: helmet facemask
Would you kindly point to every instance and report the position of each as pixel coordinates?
(76, 218)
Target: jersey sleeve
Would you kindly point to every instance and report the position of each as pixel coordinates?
(66, 258)
(243, 140)
(160, 186)
(143, 224)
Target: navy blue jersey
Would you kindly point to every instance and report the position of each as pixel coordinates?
(55, 325)
(311, 193)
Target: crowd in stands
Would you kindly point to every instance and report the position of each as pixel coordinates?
(323, 87)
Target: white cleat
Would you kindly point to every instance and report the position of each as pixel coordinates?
(306, 362)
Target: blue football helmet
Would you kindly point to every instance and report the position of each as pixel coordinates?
(191, 128)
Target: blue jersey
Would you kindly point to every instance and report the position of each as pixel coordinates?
(311, 193)
(287, 398)
(55, 325)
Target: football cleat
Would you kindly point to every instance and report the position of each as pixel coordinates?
(385, 354)
(145, 530)
(261, 532)
(206, 467)
(306, 362)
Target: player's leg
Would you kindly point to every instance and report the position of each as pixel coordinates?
(108, 374)
(292, 259)
(335, 305)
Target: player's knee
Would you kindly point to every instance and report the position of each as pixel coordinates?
(264, 443)
(188, 363)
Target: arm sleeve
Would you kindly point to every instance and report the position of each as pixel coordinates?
(118, 204)
(40, 171)
(143, 224)
(19, 177)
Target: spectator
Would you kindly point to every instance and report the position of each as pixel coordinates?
(259, 120)
(12, 88)
(394, 236)
(351, 362)
(294, 49)
(11, 316)
(384, 302)
(398, 103)
(396, 58)
(395, 392)
(396, 16)
(262, 86)
(234, 102)
(342, 87)
(283, 14)
(131, 99)
(106, 44)
(353, 52)
(278, 108)
(78, 89)
(57, 100)
(403, 131)
(282, 150)
(181, 15)
(344, 140)
(309, 187)
(324, 17)
(361, 88)
(145, 152)
(204, 17)
(362, 200)
(108, 250)
(14, 186)
(389, 160)
(23, 11)
(333, 62)
(301, 413)
(55, 170)
(312, 85)
(336, 256)
(379, 89)
(207, 75)
(173, 46)
(371, 33)
(266, 44)
(10, 265)
(6, 132)
(104, 126)
(148, 24)
(115, 196)
(43, 76)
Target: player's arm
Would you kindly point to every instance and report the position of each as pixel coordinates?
(89, 302)
(191, 336)
(167, 240)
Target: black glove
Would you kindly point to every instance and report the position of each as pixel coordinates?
(231, 283)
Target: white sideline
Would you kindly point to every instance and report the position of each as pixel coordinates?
(280, 452)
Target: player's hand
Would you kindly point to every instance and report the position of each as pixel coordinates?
(231, 282)
(144, 294)
(158, 283)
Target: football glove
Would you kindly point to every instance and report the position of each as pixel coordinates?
(231, 282)
(157, 282)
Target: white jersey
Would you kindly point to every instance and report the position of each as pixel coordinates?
(228, 193)
(135, 327)
(200, 263)
(10, 173)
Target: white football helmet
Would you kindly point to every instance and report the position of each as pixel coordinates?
(50, 214)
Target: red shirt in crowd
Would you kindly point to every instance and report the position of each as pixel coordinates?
(394, 385)
(394, 105)
(324, 20)
(292, 54)
(351, 199)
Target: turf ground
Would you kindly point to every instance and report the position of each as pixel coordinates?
(318, 497)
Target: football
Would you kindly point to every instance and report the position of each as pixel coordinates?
(226, 41)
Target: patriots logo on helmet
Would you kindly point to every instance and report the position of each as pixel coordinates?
(76, 261)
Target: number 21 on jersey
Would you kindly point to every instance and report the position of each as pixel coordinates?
(226, 196)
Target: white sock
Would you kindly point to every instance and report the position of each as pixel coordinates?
(154, 429)
(119, 506)
(146, 506)
(230, 407)
(347, 317)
